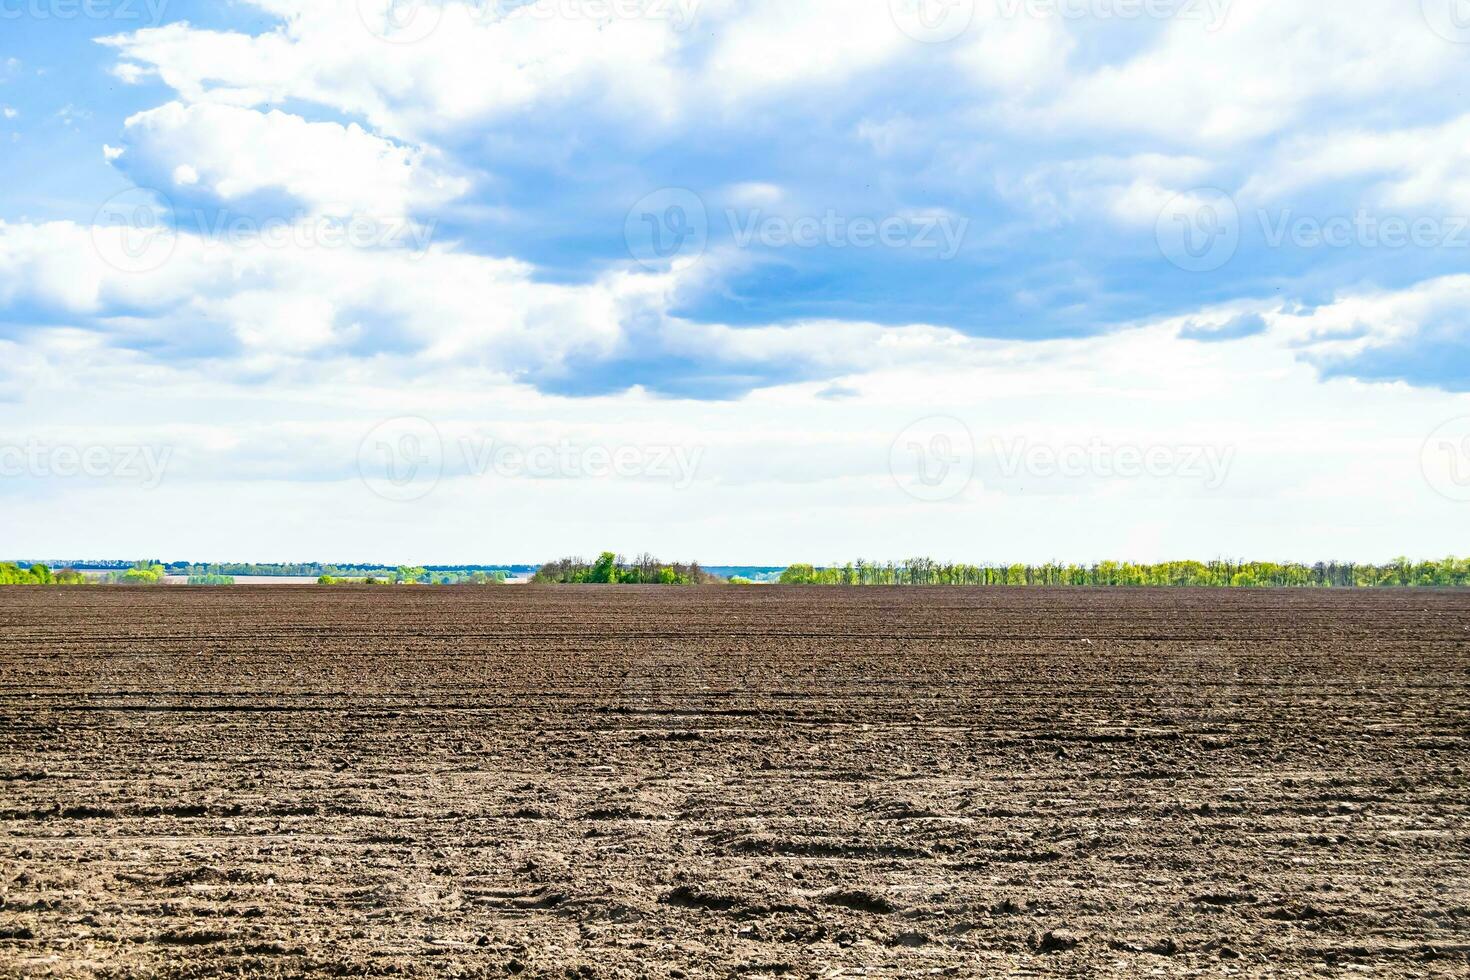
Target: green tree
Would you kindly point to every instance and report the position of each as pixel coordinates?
(604, 570)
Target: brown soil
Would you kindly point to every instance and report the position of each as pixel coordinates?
(719, 782)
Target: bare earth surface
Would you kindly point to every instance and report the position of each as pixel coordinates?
(721, 782)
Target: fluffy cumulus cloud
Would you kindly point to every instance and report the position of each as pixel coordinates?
(228, 155)
(236, 307)
(1408, 169)
(421, 67)
(808, 224)
(1229, 72)
(1419, 336)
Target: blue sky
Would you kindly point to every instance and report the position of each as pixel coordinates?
(749, 220)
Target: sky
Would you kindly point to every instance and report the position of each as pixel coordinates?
(742, 281)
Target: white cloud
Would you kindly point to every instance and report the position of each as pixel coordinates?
(755, 194)
(1269, 66)
(69, 115)
(769, 47)
(1426, 167)
(1360, 320)
(1130, 191)
(282, 308)
(475, 62)
(325, 167)
(277, 305)
(1019, 56)
(130, 74)
(475, 66)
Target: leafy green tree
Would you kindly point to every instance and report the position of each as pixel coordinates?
(604, 570)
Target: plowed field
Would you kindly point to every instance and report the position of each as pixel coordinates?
(716, 782)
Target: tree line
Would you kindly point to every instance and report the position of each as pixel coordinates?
(611, 569)
(1400, 573)
(13, 574)
(142, 573)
